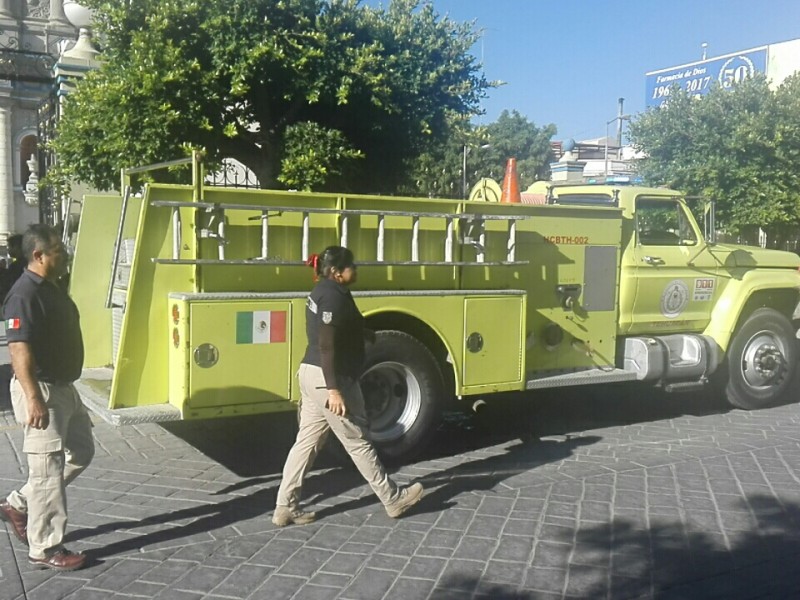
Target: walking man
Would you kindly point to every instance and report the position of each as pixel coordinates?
(46, 347)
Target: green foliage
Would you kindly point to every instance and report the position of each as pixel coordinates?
(312, 155)
(439, 171)
(512, 135)
(256, 79)
(739, 147)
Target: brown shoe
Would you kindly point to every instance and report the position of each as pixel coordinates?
(62, 560)
(18, 520)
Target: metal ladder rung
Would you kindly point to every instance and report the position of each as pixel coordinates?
(448, 241)
(344, 222)
(306, 234)
(176, 233)
(511, 244)
(381, 241)
(480, 256)
(415, 239)
(264, 234)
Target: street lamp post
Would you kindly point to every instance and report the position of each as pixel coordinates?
(605, 154)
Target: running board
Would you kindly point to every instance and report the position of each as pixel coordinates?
(587, 377)
(94, 387)
(685, 386)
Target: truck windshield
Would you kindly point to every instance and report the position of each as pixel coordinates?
(663, 222)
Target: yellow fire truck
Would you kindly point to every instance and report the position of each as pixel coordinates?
(192, 300)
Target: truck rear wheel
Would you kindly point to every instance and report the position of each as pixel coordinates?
(403, 392)
(762, 361)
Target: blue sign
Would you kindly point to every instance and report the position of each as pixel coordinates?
(698, 78)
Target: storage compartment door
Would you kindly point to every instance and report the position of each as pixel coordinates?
(493, 340)
(239, 353)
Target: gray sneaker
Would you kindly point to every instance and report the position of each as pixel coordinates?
(284, 516)
(409, 496)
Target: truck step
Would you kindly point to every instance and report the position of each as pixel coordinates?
(586, 377)
(685, 386)
(94, 387)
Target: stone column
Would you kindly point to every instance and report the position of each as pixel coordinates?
(6, 179)
(57, 16)
(6, 11)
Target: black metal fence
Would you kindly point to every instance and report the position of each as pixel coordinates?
(47, 117)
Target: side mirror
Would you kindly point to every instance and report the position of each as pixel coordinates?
(710, 222)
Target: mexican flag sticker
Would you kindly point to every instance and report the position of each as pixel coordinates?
(261, 327)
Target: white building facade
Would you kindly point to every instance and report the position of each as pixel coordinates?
(33, 33)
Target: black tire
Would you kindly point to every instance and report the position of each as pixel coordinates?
(403, 395)
(761, 366)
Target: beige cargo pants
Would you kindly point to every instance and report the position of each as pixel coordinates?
(56, 456)
(315, 423)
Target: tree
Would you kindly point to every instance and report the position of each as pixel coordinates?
(308, 93)
(739, 147)
(512, 135)
(439, 172)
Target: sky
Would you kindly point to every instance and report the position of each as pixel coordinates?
(568, 62)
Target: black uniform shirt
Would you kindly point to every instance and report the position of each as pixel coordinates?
(331, 305)
(38, 312)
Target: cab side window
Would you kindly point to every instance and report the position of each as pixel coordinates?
(663, 223)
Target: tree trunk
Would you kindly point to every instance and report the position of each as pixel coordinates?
(260, 161)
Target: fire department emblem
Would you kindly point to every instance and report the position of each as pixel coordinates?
(674, 299)
(327, 317)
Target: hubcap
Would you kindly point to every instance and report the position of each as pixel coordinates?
(392, 398)
(763, 360)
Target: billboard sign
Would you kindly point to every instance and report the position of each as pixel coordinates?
(697, 78)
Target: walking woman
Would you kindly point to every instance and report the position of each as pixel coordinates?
(331, 398)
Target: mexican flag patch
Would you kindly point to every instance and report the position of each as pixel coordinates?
(12, 324)
(261, 327)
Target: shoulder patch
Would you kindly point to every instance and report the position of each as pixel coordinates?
(327, 317)
(13, 323)
(312, 306)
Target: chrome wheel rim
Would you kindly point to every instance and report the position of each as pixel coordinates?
(764, 362)
(392, 400)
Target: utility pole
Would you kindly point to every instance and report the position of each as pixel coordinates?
(620, 119)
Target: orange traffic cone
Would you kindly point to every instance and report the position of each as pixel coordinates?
(511, 183)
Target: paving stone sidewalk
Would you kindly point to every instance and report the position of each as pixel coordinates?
(621, 495)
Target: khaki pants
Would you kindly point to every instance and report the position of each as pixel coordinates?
(56, 456)
(315, 423)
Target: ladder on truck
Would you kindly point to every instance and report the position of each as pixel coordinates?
(465, 228)
(471, 228)
(471, 225)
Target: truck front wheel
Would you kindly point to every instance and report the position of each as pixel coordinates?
(403, 393)
(762, 361)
